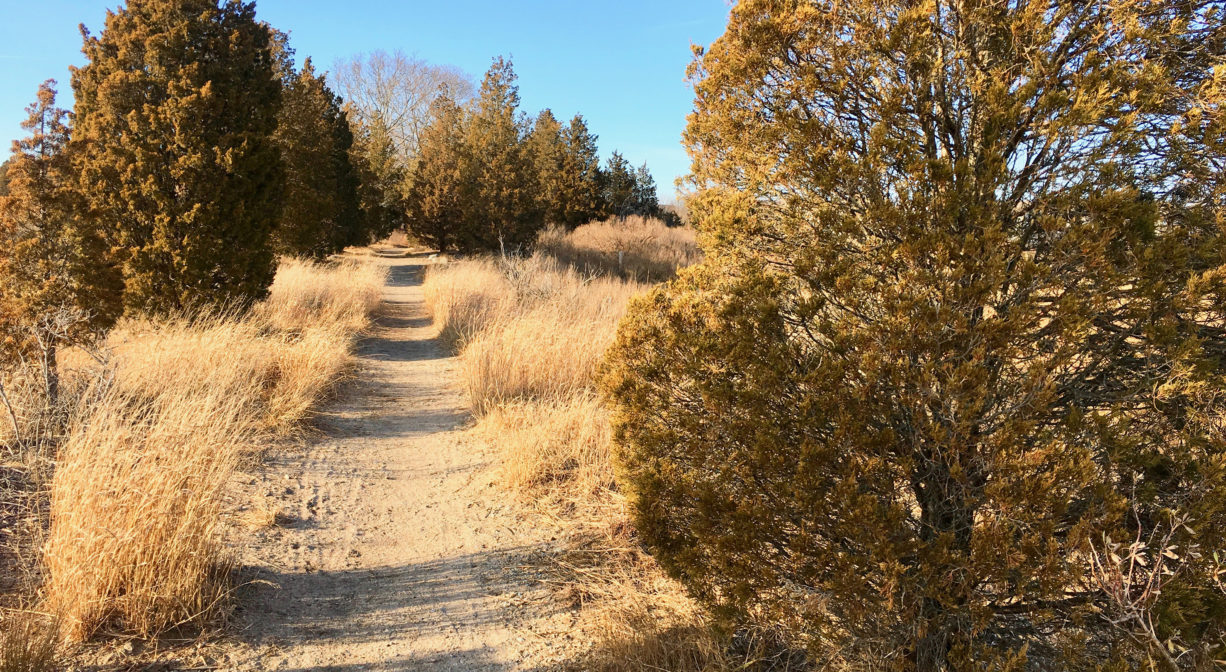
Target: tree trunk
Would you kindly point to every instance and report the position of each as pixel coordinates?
(932, 647)
(945, 510)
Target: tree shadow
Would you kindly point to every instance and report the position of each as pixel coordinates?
(431, 600)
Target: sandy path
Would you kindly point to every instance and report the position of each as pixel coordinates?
(397, 552)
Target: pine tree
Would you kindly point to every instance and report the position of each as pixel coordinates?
(618, 187)
(381, 180)
(504, 213)
(55, 287)
(548, 153)
(646, 202)
(322, 213)
(175, 114)
(946, 393)
(579, 193)
(441, 185)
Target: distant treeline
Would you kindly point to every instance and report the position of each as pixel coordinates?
(485, 177)
(197, 153)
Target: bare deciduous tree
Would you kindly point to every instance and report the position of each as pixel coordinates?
(395, 90)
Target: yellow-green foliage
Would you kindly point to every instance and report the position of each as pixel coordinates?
(174, 119)
(958, 333)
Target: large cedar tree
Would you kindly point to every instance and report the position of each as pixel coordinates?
(947, 393)
(322, 213)
(175, 114)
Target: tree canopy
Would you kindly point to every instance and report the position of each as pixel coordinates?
(56, 286)
(951, 374)
(323, 211)
(174, 120)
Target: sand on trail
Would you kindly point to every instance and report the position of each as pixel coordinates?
(395, 549)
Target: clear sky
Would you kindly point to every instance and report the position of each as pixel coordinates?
(621, 63)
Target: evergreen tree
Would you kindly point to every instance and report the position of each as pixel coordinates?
(618, 187)
(646, 203)
(548, 153)
(55, 287)
(504, 212)
(381, 180)
(441, 185)
(175, 115)
(579, 193)
(322, 213)
(947, 391)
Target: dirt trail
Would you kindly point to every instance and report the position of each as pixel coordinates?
(395, 550)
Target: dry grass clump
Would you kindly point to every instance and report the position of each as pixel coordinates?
(528, 329)
(134, 539)
(306, 295)
(466, 296)
(543, 354)
(135, 507)
(27, 643)
(554, 451)
(636, 248)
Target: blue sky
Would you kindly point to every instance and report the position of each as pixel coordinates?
(620, 63)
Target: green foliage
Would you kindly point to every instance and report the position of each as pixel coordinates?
(440, 189)
(504, 212)
(174, 119)
(484, 180)
(322, 212)
(645, 201)
(55, 285)
(381, 179)
(579, 189)
(946, 393)
(618, 192)
(627, 192)
(548, 154)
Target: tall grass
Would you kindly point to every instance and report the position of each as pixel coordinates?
(634, 248)
(530, 334)
(134, 539)
(529, 329)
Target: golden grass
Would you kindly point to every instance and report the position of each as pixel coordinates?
(135, 508)
(636, 248)
(554, 451)
(531, 333)
(528, 329)
(466, 297)
(134, 541)
(27, 643)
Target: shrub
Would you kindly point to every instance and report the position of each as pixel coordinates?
(957, 338)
